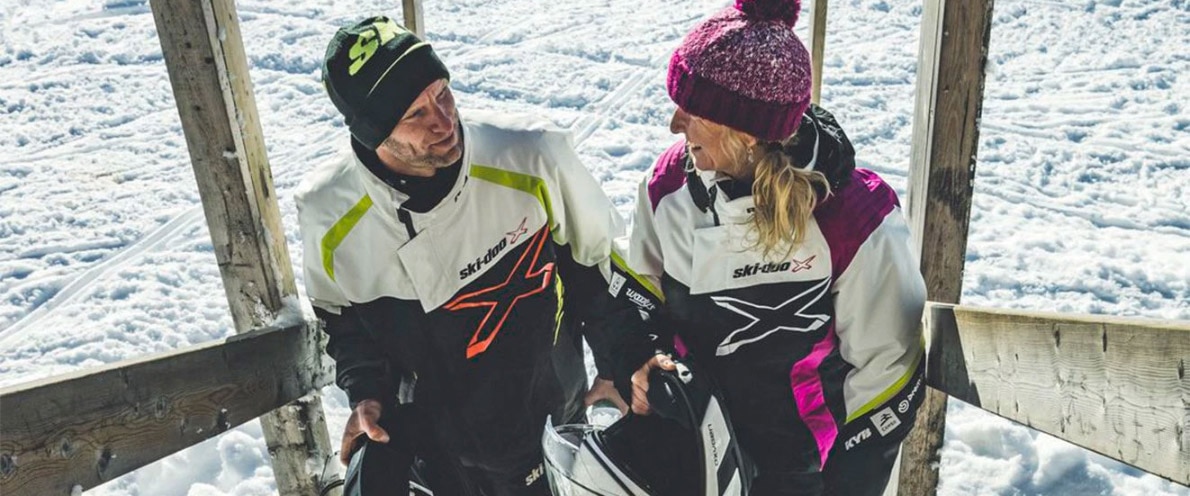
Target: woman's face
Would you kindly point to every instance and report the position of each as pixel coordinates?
(704, 141)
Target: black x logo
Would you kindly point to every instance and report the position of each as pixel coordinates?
(766, 320)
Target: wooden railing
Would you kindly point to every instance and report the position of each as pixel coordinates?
(1112, 385)
(89, 427)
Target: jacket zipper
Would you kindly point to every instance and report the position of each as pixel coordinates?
(405, 218)
(714, 213)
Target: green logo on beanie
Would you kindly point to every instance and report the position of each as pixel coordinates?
(367, 43)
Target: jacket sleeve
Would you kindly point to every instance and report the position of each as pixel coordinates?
(646, 267)
(585, 221)
(645, 256)
(360, 368)
(879, 299)
(644, 246)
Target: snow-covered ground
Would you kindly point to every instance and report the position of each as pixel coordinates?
(1081, 200)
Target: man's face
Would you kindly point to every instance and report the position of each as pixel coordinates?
(427, 137)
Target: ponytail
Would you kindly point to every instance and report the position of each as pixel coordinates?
(783, 192)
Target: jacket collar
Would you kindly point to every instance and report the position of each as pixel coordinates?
(391, 199)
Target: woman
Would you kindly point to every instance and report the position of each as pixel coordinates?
(786, 273)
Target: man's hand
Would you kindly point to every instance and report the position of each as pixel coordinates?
(640, 382)
(603, 389)
(364, 420)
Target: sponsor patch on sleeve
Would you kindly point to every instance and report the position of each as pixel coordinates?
(885, 421)
(616, 284)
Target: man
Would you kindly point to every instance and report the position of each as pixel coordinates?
(458, 258)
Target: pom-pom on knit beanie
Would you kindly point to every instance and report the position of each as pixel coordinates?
(745, 68)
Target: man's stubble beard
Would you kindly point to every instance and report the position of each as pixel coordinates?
(406, 153)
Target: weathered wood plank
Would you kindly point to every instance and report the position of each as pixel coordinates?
(945, 138)
(89, 427)
(817, 48)
(953, 54)
(208, 69)
(209, 73)
(414, 20)
(1115, 386)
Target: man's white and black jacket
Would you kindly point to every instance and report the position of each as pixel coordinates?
(480, 300)
(814, 350)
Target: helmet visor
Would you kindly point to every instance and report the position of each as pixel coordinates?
(576, 466)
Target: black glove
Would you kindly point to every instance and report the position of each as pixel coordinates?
(380, 468)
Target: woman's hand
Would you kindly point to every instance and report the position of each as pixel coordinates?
(364, 420)
(603, 389)
(640, 382)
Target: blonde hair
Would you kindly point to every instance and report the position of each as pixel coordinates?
(784, 193)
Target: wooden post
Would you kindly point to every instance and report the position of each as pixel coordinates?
(414, 21)
(817, 48)
(208, 70)
(954, 47)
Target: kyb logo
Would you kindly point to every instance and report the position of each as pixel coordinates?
(494, 252)
(858, 438)
(793, 265)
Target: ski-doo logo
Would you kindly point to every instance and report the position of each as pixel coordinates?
(484, 259)
(534, 474)
(494, 252)
(793, 265)
(858, 438)
(529, 276)
(800, 265)
(757, 268)
(640, 300)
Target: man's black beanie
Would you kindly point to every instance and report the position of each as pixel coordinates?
(373, 71)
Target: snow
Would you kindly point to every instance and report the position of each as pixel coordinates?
(1081, 197)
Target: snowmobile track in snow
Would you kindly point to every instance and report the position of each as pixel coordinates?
(82, 285)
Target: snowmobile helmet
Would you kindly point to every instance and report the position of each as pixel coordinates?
(373, 71)
(685, 447)
(377, 469)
